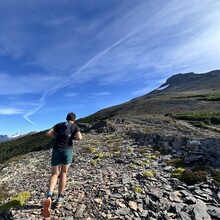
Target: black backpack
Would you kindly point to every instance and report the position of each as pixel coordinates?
(65, 130)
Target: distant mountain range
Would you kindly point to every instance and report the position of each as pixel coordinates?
(4, 138)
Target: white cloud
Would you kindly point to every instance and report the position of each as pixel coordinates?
(26, 84)
(72, 94)
(101, 93)
(10, 111)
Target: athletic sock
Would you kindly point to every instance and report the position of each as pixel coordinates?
(49, 194)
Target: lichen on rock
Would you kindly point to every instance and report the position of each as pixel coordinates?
(15, 202)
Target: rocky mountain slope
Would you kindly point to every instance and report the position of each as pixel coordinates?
(114, 177)
(182, 93)
(154, 157)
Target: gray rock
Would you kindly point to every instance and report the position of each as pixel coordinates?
(116, 196)
(123, 211)
(184, 216)
(174, 198)
(200, 211)
(80, 210)
(214, 211)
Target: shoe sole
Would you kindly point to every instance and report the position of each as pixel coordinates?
(46, 210)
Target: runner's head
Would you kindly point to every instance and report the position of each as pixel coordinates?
(71, 117)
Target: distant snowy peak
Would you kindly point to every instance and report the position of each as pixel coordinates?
(17, 135)
(4, 138)
(163, 87)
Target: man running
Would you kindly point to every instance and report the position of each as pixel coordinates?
(62, 157)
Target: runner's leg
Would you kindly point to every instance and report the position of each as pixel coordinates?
(63, 177)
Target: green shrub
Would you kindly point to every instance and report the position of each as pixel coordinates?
(177, 172)
(100, 155)
(190, 177)
(133, 166)
(205, 117)
(148, 174)
(152, 156)
(138, 190)
(130, 149)
(216, 177)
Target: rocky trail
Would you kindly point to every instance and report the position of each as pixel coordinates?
(113, 177)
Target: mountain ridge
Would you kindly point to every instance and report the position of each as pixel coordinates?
(167, 100)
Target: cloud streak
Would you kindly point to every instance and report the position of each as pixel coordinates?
(10, 111)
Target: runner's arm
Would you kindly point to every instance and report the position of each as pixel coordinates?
(78, 136)
(50, 133)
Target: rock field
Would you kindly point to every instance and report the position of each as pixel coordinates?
(113, 177)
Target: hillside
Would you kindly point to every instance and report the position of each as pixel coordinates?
(182, 93)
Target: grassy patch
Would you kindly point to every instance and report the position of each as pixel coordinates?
(148, 174)
(202, 97)
(138, 190)
(211, 97)
(177, 172)
(201, 117)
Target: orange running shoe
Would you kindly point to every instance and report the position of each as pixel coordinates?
(46, 210)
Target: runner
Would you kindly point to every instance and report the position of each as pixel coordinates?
(62, 157)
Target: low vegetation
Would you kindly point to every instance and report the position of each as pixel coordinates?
(200, 119)
(3, 192)
(202, 97)
(192, 177)
(26, 144)
(15, 202)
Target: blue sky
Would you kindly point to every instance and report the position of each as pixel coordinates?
(82, 56)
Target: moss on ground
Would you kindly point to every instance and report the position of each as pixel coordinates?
(15, 202)
(177, 172)
(148, 174)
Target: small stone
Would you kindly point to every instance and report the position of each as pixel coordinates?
(168, 168)
(133, 205)
(116, 196)
(144, 214)
(68, 206)
(174, 198)
(123, 211)
(79, 211)
(98, 200)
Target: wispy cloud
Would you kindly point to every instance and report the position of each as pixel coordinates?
(72, 94)
(10, 111)
(101, 93)
(26, 83)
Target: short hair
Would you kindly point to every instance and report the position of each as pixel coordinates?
(71, 117)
